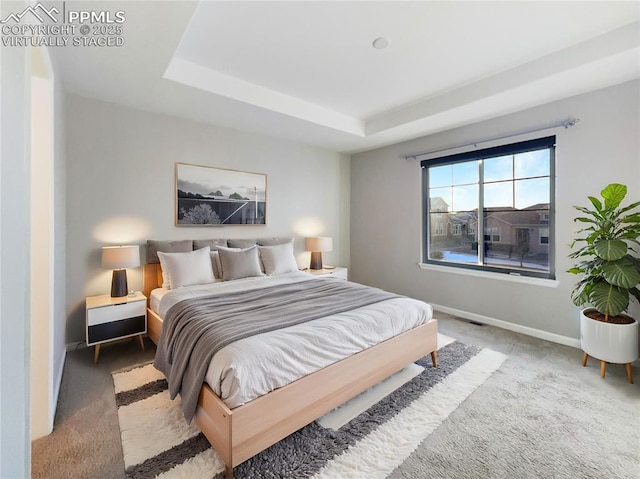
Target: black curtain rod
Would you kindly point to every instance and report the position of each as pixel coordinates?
(565, 124)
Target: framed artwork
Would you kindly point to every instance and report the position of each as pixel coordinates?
(207, 196)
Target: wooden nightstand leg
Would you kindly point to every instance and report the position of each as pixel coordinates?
(96, 353)
(629, 373)
(584, 359)
(603, 368)
(141, 341)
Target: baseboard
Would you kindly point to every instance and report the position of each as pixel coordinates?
(56, 388)
(75, 346)
(536, 333)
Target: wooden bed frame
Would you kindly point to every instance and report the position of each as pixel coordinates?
(240, 433)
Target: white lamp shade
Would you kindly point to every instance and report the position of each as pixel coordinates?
(116, 257)
(319, 243)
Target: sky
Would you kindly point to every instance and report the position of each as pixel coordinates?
(205, 180)
(516, 181)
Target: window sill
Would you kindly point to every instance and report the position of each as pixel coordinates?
(548, 283)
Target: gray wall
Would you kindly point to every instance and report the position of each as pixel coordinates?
(386, 208)
(120, 189)
(15, 64)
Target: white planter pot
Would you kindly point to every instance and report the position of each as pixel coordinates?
(613, 343)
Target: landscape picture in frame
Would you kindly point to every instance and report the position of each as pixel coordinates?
(208, 196)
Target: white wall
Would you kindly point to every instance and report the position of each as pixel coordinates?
(59, 235)
(386, 208)
(48, 318)
(15, 452)
(120, 189)
(41, 246)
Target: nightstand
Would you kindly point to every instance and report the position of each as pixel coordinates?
(109, 319)
(337, 272)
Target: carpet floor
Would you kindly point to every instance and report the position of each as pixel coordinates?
(540, 415)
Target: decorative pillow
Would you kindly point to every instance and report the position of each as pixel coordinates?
(186, 269)
(214, 244)
(241, 243)
(237, 264)
(278, 259)
(181, 246)
(216, 264)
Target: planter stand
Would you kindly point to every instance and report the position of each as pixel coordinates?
(609, 342)
(603, 368)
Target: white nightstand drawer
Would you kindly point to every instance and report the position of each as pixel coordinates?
(108, 314)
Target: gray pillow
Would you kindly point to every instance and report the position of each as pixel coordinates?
(273, 241)
(213, 244)
(239, 264)
(241, 243)
(153, 246)
(217, 265)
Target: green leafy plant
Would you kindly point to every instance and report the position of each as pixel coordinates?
(611, 272)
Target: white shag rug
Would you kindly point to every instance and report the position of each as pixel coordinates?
(368, 437)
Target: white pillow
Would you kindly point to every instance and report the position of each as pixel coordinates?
(278, 259)
(186, 269)
(239, 263)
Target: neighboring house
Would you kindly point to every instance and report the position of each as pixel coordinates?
(439, 217)
(509, 229)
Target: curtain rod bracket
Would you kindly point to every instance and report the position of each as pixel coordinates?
(571, 122)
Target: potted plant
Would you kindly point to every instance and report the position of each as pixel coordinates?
(611, 278)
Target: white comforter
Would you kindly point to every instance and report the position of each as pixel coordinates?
(254, 366)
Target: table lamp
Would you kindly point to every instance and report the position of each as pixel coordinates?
(317, 245)
(118, 258)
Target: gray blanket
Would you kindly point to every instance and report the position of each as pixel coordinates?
(195, 329)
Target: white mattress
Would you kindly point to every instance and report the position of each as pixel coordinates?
(254, 366)
(156, 297)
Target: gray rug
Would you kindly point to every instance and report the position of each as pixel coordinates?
(158, 443)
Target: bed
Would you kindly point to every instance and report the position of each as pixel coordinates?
(245, 425)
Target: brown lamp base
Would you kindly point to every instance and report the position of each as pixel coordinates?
(316, 260)
(119, 286)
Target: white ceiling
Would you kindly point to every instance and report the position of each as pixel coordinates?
(307, 71)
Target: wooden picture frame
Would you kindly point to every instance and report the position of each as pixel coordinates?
(209, 196)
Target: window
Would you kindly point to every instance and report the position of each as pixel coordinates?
(544, 235)
(492, 234)
(499, 202)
